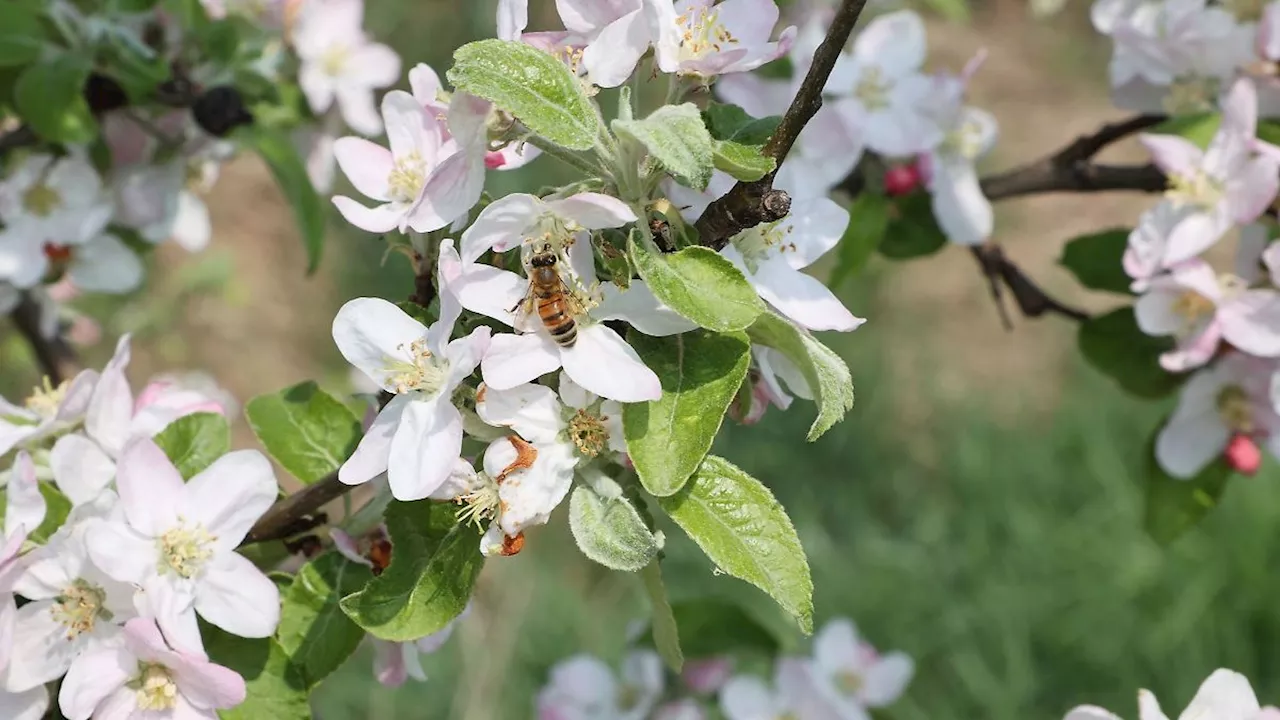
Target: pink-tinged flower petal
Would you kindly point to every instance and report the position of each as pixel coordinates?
(963, 212)
(8, 616)
(120, 552)
(500, 226)
(94, 676)
(586, 17)
(513, 18)
(356, 106)
(409, 128)
(380, 219)
(894, 41)
(758, 96)
(836, 647)
(1251, 322)
(799, 296)
(640, 307)
(1194, 350)
(426, 86)
(1090, 712)
(1269, 32)
(234, 595)
(25, 509)
(230, 495)
(171, 604)
(517, 359)
(377, 65)
(347, 548)
(808, 696)
(123, 703)
(746, 697)
(603, 363)
(1173, 154)
(150, 487)
(372, 334)
(1251, 189)
(612, 56)
(1189, 442)
(749, 21)
(531, 410)
(423, 449)
(707, 675)
(80, 393)
(366, 164)
(389, 666)
(29, 705)
(452, 189)
(370, 457)
(1240, 109)
(111, 407)
(813, 229)
(1155, 312)
(886, 679)
(1196, 232)
(593, 211)
(206, 685)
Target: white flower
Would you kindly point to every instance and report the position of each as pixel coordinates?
(794, 695)
(29, 705)
(469, 118)
(1225, 695)
(48, 410)
(24, 509)
(177, 541)
(144, 676)
(852, 675)
(426, 180)
(583, 423)
(156, 201)
(881, 90)
(395, 662)
(418, 435)
(339, 61)
(706, 38)
(518, 486)
(963, 212)
(584, 688)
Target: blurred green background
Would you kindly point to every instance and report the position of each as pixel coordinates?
(979, 508)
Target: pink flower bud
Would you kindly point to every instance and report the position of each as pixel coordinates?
(1243, 455)
(705, 676)
(494, 160)
(901, 179)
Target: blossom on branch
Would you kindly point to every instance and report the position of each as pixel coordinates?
(583, 687)
(340, 63)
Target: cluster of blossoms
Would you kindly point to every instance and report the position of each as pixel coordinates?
(841, 680)
(1225, 695)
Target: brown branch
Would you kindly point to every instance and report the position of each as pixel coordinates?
(1031, 299)
(297, 513)
(56, 357)
(21, 136)
(748, 204)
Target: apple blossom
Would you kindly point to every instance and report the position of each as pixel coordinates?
(24, 509)
(29, 705)
(1225, 695)
(425, 181)
(156, 201)
(707, 675)
(852, 676)
(686, 709)
(703, 37)
(472, 119)
(584, 687)
(145, 675)
(793, 695)
(1202, 310)
(963, 212)
(1230, 398)
(47, 411)
(176, 541)
(583, 423)
(395, 662)
(340, 62)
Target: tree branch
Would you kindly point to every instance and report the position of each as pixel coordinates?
(748, 204)
(1031, 299)
(21, 136)
(56, 357)
(296, 513)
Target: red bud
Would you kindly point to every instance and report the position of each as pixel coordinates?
(1243, 455)
(57, 253)
(901, 179)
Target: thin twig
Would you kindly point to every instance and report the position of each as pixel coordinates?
(21, 136)
(1031, 299)
(56, 357)
(295, 513)
(748, 204)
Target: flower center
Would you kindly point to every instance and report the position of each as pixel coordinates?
(849, 682)
(1191, 94)
(42, 200)
(79, 607)
(1245, 10)
(701, 33)
(46, 398)
(334, 60)
(156, 688)
(628, 696)
(185, 549)
(424, 373)
(57, 254)
(587, 432)
(407, 177)
(757, 243)
(1199, 189)
(964, 141)
(1192, 307)
(873, 88)
(1235, 410)
(480, 504)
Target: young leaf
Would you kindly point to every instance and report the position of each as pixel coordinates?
(56, 509)
(530, 84)
(276, 686)
(699, 284)
(48, 97)
(868, 223)
(730, 122)
(826, 374)
(675, 136)
(1199, 129)
(711, 626)
(1174, 506)
(313, 629)
(700, 373)
(21, 34)
(291, 175)
(1097, 260)
(913, 231)
(194, 441)
(434, 565)
(666, 635)
(1114, 345)
(746, 533)
(305, 429)
(743, 162)
(610, 531)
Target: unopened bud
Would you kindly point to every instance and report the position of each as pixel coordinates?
(220, 110)
(901, 179)
(1243, 455)
(103, 94)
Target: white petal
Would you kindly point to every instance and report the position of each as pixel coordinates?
(1251, 322)
(801, 297)
(375, 64)
(464, 355)
(105, 265)
(1186, 444)
(492, 292)
(110, 409)
(171, 605)
(593, 211)
(356, 105)
(366, 164)
(1090, 712)
(453, 187)
(29, 705)
(80, 468)
(746, 697)
(230, 495)
(606, 365)
(8, 617)
(513, 18)
(94, 676)
(612, 56)
(894, 41)
(370, 457)
(529, 495)
(517, 359)
(425, 84)
(1155, 313)
(372, 333)
(25, 508)
(531, 410)
(150, 487)
(1225, 694)
(120, 552)
(964, 213)
(638, 306)
(500, 226)
(835, 648)
(887, 678)
(424, 449)
(237, 597)
(42, 647)
(813, 229)
(380, 219)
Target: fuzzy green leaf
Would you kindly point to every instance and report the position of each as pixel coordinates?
(746, 533)
(305, 429)
(313, 629)
(194, 441)
(700, 373)
(743, 162)
(826, 374)
(530, 84)
(1115, 346)
(1097, 260)
(610, 531)
(730, 122)
(676, 137)
(699, 284)
(868, 223)
(277, 688)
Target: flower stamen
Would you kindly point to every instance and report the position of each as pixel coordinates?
(1235, 410)
(755, 244)
(45, 398)
(407, 177)
(79, 607)
(873, 89)
(185, 549)
(424, 373)
(701, 33)
(156, 689)
(587, 433)
(42, 200)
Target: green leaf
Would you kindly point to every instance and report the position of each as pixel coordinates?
(700, 373)
(826, 374)
(305, 429)
(1269, 131)
(1199, 128)
(1114, 345)
(276, 686)
(954, 10)
(434, 565)
(1174, 506)
(291, 175)
(913, 231)
(746, 533)
(699, 284)
(732, 123)
(21, 34)
(194, 441)
(48, 97)
(532, 85)
(710, 626)
(743, 162)
(666, 634)
(868, 223)
(1097, 260)
(609, 531)
(57, 508)
(313, 629)
(676, 137)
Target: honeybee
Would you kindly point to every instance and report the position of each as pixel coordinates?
(551, 297)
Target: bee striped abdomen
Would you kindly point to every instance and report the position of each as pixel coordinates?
(557, 320)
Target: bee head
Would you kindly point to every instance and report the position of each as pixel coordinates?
(543, 259)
